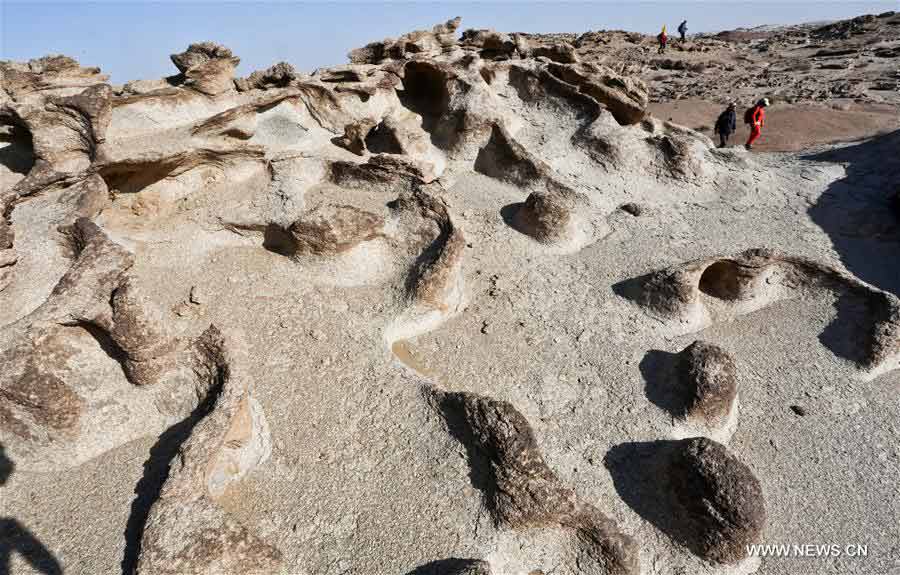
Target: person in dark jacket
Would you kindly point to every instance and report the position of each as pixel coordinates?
(726, 124)
(682, 29)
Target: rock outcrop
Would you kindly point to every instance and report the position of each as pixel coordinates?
(694, 294)
(187, 531)
(177, 254)
(207, 67)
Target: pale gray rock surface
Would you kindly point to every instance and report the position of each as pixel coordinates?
(438, 340)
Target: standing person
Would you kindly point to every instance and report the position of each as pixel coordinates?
(663, 39)
(682, 29)
(756, 117)
(726, 124)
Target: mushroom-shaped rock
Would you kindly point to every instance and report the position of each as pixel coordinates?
(207, 67)
(277, 76)
(327, 230)
(707, 376)
(718, 499)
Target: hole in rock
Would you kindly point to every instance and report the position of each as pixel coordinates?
(16, 149)
(381, 140)
(424, 89)
(721, 280)
(132, 178)
(278, 240)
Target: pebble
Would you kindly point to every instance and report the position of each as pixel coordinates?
(799, 410)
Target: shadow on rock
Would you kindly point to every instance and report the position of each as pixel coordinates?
(661, 383)
(508, 213)
(452, 566)
(848, 333)
(639, 472)
(856, 212)
(156, 471)
(15, 538)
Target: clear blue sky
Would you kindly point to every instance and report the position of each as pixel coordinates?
(131, 40)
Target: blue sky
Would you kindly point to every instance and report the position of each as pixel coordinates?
(131, 40)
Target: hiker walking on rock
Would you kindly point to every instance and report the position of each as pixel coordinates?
(682, 29)
(663, 40)
(726, 124)
(756, 117)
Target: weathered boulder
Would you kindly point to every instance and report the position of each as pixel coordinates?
(548, 215)
(520, 490)
(207, 67)
(492, 44)
(561, 52)
(277, 76)
(327, 229)
(706, 375)
(29, 82)
(418, 43)
(717, 499)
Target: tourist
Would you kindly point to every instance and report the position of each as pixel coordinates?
(756, 117)
(682, 29)
(726, 124)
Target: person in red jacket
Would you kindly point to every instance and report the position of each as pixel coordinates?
(758, 120)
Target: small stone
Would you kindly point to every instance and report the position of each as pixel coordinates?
(799, 410)
(196, 296)
(632, 208)
(485, 327)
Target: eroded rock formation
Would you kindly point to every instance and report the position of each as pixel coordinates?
(719, 500)
(520, 490)
(707, 374)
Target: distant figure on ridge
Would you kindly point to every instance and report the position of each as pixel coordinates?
(756, 117)
(726, 124)
(663, 39)
(682, 29)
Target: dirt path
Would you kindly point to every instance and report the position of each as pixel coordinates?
(790, 128)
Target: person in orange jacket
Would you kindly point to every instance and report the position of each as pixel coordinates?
(757, 119)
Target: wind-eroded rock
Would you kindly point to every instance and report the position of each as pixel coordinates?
(278, 76)
(207, 67)
(326, 230)
(420, 42)
(520, 490)
(706, 374)
(718, 500)
(691, 294)
(187, 532)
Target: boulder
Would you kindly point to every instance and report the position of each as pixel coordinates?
(717, 499)
(706, 375)
(207, 67)
(278, 76)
